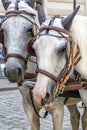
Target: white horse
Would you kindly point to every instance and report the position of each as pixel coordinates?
(50, 47)
(17, 27)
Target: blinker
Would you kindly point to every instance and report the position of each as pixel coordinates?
(30, 50)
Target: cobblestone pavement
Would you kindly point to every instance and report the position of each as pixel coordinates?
(12, 116)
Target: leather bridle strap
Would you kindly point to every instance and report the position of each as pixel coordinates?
(10, 55)
(33, 104)
(20, 13)
(75, 86)
(46, 73)
(55, 29)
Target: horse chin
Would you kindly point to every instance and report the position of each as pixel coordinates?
(49, 105)
(14, 79)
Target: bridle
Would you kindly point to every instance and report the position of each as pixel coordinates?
(71, 60)
(61, 79)
(23, 14)
(64, 75)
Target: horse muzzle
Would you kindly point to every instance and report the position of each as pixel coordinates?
(43, 99)
(13, 74)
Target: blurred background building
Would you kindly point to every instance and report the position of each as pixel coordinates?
(61, 7)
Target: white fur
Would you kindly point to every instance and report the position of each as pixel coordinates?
(22, 6)
(79, 34)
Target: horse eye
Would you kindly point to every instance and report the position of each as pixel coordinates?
(62, 49)
(30, 30)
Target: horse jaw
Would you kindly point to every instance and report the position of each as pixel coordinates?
(39, 90)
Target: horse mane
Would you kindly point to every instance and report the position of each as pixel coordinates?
(79, 33)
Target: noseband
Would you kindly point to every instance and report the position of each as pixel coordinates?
(23, 14)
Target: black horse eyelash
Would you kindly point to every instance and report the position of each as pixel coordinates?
(62, 49)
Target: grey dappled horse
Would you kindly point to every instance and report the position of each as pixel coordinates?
(17, 28)
(50, 47)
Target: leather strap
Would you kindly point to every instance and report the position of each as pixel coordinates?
(55, 29)
(75, 86)
(46, 73)
(15, 56)
(34, 106)
(12, 14)
(19, 12)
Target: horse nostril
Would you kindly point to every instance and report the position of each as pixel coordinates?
(19, 71)
(44, 100)
(5, 71)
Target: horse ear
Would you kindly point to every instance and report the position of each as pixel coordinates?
(30, 2)
(6, 3)
(41, 13)
(67, 22)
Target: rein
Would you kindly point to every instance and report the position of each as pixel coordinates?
(35, 109)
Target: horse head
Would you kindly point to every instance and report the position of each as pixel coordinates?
(51, 51)
(17, 28)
